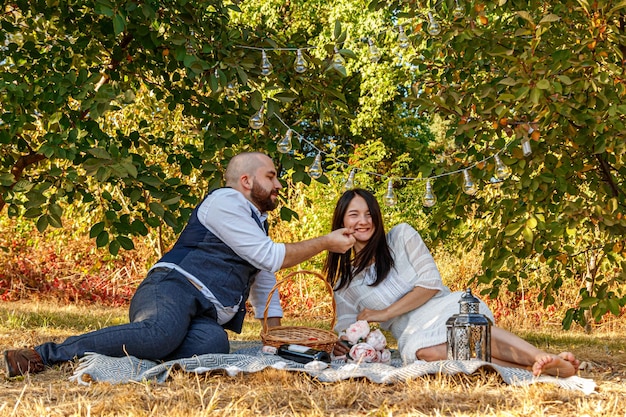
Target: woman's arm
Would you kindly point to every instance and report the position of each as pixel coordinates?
(412, 300)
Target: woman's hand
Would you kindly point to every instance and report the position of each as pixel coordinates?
(373, 315)
(410, 301)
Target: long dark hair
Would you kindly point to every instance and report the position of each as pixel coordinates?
(339, 267)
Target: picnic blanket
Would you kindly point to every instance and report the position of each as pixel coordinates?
(99, 368)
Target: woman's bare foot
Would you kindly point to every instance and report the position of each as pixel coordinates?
(555, 365)
(569, 356)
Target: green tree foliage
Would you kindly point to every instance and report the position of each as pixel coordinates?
(132, 109)
(85, 85)
(552, 72)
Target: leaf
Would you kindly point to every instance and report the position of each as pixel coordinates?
(550, 18)
(42, 223)
(23, 186)
(525, 15)
(119, 24)
(114, 247)
(614, 307)
(157, 209)
(125, 242)
(543, 84)
(528, 234)
(508, 81)
(99, 153)
(587, 302)
(535, 95)
(96, 229)
(337, 30)
(102, 239)
(512, 229)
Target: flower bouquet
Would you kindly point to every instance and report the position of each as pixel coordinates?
(366, 344)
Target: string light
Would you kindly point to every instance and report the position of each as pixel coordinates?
(469, 187)
(315, 170)
(374, 52)
(390, 197)
(231, 90)
(284, 146)
(429, 197)
(403, 39)
(266, 65)
(349, 184)
(526, 148)
(502, 171)
(459, 10)
(300, 65)
(434, 28)
(257, 120)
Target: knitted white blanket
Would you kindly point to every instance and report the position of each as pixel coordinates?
(102, 368)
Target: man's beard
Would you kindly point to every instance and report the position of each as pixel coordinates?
(263, 198)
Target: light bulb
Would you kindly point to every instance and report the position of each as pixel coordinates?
(429, 197)
(339, 63)
(231, 90)
(434, 28)
(469, 187)
(403, 40)
(374, 52)
(300, 64)
(390, 196)
(257, 121)
(349, 184)
(459, 10)
(284, 145)
(502, 171)
(315, 170)
(266, 65)
(526, 148)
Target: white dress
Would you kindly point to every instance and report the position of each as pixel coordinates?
(414, 266)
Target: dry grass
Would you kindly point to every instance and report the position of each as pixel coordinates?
(278, 393)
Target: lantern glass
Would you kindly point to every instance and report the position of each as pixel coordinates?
(469, 332)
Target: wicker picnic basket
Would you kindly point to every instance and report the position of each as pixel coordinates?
(299, 335)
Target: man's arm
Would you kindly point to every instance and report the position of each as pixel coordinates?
(338, 241)
(259, 293)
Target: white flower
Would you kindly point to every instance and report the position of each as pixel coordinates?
(362, 352)
(376, 339)
(384, 356)
(357, 331)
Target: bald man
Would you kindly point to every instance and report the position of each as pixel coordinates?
(199, 288)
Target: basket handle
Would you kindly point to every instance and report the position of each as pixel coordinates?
(290, 276)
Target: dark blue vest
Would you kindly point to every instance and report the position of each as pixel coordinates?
(216, 265)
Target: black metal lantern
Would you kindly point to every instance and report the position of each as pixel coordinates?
(469, 332)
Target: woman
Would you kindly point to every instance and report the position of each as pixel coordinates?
(393, 280)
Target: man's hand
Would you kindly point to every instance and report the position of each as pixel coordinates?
(340, 240)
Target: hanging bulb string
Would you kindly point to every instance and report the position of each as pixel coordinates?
(258, 48)
(383, 176)
(390, 28)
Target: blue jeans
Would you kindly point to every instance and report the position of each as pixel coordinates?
(169, 319)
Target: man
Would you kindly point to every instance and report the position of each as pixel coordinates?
(199, 288)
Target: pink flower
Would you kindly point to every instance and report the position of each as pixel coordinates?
(357, 331)
(376, 339)
(362, 352)
(384, 356)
